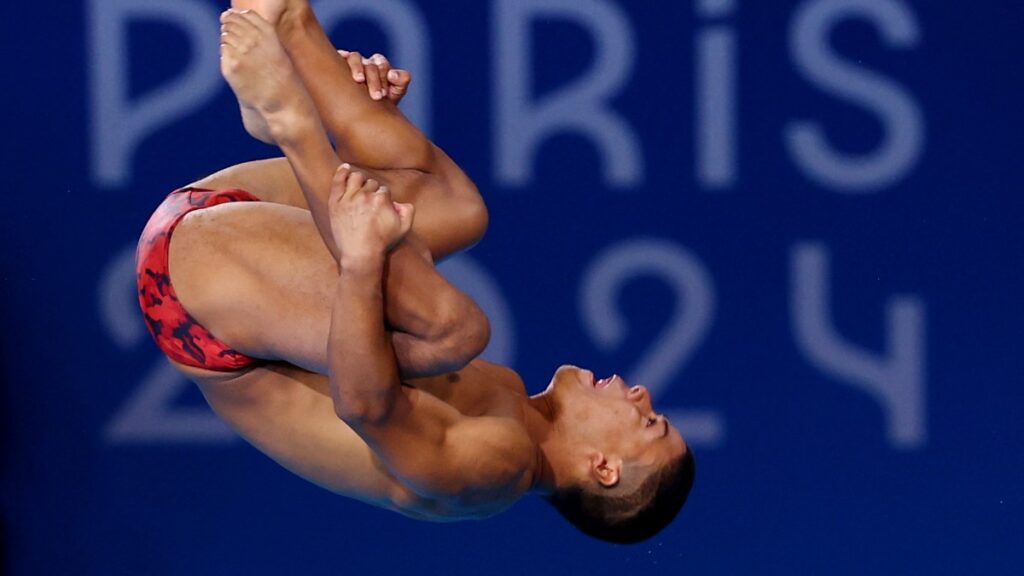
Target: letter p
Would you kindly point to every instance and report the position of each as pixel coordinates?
(119, 124)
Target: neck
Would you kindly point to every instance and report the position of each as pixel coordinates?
(540, 425)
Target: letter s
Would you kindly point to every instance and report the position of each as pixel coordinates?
(901, 119)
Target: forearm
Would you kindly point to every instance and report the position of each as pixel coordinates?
(371, 133)
(364, 378)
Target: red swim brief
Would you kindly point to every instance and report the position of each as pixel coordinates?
(176, 332)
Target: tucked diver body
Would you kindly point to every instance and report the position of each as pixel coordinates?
(260, 280)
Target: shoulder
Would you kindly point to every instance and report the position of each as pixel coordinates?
(499, 375)
(490, 454)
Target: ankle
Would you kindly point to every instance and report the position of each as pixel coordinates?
(295, 19)
(290, 123)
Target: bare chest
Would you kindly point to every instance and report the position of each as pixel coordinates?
(480, 389)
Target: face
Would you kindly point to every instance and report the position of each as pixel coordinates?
(613, 417)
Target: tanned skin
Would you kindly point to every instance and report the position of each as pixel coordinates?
(330, 276)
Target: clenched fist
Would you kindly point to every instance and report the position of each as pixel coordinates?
(365, 221)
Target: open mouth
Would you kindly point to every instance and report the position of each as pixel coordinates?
(603, 382)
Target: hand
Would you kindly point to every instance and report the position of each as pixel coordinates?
(380, 78)
(365, 221)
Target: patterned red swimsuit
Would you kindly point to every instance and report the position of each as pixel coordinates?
(176, 332)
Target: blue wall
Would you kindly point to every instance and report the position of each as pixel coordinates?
(798, 222)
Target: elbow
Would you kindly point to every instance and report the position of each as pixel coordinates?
(358, 412)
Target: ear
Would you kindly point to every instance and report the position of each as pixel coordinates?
(606, 472)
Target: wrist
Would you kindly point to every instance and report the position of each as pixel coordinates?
(362, 263)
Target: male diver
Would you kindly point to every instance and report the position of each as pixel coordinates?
(260, 279)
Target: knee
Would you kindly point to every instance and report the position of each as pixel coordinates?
(474, 218)
(466, 333)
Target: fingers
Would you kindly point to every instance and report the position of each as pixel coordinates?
(383, 68)
(339, 186)
(377, 74)
(354, 183)
(365, 209)
(376, 83)
(398, 81)
(406, 215)
(355, 64)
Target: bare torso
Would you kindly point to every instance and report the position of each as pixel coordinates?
(287, 414)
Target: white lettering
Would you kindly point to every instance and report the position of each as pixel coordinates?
(900, 116)
(715, 111)
(896, 380)
(523, 124)
(120, 125)
(407, 31)
(691, 319)
(468, 275)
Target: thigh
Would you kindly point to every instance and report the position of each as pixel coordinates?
(258, 276)
(272, 180)
(287, 414)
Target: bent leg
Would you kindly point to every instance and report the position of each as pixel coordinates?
(264, 77)
(376, 136)
(258, 276)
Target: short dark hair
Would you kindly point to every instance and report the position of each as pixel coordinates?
(633, 516)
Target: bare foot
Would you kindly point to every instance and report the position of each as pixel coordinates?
(270, 10)
(273, 11)
(260, 73)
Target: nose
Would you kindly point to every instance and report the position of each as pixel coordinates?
(642, 395)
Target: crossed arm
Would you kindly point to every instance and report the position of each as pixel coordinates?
(433, 448)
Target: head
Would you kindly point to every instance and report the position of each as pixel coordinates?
(627, 470)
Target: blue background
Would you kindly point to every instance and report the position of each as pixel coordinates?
(801, 472)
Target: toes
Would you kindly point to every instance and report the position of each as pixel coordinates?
(253, 18)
